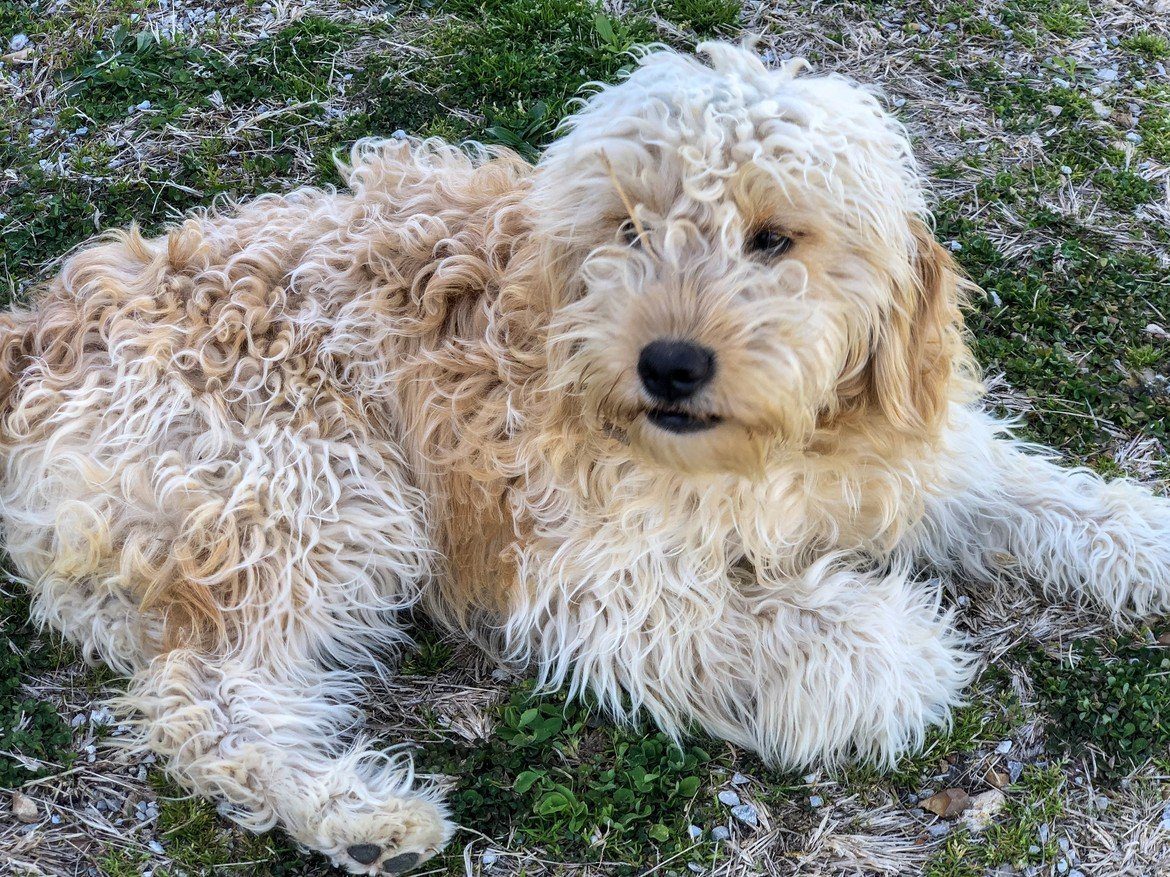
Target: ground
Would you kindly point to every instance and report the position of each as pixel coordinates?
(1045, 126)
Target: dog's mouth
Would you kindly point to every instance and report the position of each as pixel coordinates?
(681, 422)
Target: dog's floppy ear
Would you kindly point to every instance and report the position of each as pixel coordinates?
(918, 349)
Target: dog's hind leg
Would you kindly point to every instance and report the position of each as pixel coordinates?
(264, 741)
(1006, 511)
(232, 589)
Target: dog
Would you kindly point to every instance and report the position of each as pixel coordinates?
(682, 415)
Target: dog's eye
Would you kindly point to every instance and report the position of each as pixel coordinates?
(770, 243)
(628, 232)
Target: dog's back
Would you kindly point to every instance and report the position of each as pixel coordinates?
(136, 390)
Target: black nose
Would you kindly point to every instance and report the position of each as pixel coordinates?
(674, 370)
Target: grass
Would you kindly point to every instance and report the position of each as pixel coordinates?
(1050, 189)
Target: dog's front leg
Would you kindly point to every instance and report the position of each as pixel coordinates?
(1004, 510)
(263, 739)
(833, 665)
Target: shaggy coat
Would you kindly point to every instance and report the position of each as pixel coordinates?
(235, 456)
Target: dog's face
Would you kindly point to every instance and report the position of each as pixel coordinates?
(739, 265)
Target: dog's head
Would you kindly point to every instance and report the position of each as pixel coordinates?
(738, 265)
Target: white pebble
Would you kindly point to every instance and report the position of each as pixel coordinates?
(1006, 746)
(720, 833)
(731, 799)
(739, 780)
(18, 42)
(815, 801)
(746, 813)
(155, 847)
(695, 832)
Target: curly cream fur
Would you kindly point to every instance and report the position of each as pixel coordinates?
(234, 456)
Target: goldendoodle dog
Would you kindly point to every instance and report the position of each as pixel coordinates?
(682, 415)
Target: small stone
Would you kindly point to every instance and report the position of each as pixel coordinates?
(1107, 74)
(1067, 171)
(25, 808)
(399, 134)
(695, 867)
(1155, 329)
(728, 797)
(1100, 109)
(939, 829)
(998, 778)
(816, 801)
(720, 833)
(948, 803)
(1053, 110)
(18, 42)
(1062, 866)
(983, 808)
(1006, 746)
(746, 813)
(1043, 833)
(155, 847)
(1101, 802)
(695, 832)
(489, 857)
(1133, 137)
(1033, 850)
(1015, 770)
(811, 777)
(1076, 872)
(739, 780)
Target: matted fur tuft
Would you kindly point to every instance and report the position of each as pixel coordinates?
(234, 457)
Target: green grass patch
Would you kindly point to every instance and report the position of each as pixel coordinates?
(1055, 321)
(1113, 694)
(34, 739)
(578, 788)
(1149, 45)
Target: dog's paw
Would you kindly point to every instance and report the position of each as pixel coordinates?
(392, 838)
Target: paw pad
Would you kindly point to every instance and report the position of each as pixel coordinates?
(365, 854)
(400, 863)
